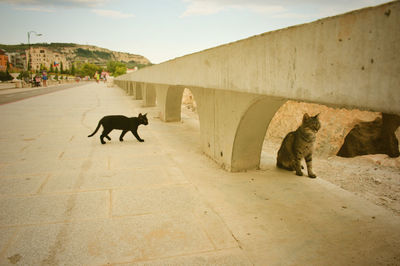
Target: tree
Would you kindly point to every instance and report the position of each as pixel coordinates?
(113, 65)
(23, 75)
(88, 69)
(5, 76)
(72, 70)
(61, 68)
(43, 68)
(120, 70)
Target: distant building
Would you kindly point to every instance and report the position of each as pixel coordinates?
(130, 70)
(43, 57)
(17, 60)
(3, 60)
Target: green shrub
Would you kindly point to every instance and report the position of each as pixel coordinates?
(5, 76)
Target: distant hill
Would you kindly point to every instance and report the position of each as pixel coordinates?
(82, 53)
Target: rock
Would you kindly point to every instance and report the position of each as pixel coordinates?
(376, 137)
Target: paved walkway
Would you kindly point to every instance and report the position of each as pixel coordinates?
(65, 199)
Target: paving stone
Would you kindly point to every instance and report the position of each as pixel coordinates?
(53, 208)
(25, 185)
(6, 236)
(108, 241)
(220, 257)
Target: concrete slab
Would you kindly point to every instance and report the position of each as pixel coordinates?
(66, 199)
(108, 241)
(221, 257)
(181, 201)
(103, 178)
(22, 185)
(34, 166)
(29, 210)
(6, 235)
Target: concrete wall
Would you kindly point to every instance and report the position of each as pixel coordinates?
(351, 60)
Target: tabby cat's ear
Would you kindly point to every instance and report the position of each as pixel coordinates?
(317, 115)
(140, 114)
(145, 114)
(305, 116)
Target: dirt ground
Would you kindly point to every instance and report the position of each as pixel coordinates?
(373, 177)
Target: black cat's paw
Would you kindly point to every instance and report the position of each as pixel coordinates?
(121, 140)
(141, 140)
(103, 142)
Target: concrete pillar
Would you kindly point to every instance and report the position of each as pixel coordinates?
(149, 95)
(126, 87)
(138, 94)
(130, 90)
(233, 125)
(169, 99)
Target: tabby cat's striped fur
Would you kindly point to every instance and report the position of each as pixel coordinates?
(299, 144)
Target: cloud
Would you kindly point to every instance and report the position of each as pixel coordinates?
(53, 3)
(202, 8)
(208, 7)
(49, 5)
(111, 13)
(277, 8)
(36, 9)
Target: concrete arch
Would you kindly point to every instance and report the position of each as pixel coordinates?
(169, 99)
(250, 132)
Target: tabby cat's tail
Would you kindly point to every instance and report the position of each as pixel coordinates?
(97, 128)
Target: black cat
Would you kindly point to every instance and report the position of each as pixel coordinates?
(122, 123)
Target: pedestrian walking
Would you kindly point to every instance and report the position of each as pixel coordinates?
(44, 78)
(104, 76)
(97, 76)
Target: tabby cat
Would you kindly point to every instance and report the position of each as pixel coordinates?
(299, 144)
(120, 122)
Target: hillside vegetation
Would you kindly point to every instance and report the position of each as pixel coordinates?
(83, 53)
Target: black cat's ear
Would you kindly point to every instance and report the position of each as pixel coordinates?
(140, 114)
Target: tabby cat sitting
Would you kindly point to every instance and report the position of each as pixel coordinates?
(299, 144)
(120, 122)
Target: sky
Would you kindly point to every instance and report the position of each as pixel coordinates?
(160, 30)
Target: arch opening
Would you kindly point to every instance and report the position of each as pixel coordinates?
(172, 97)
(250, 134)
(190, 123)
(189, 111)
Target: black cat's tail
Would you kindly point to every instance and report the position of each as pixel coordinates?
(97, 128)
